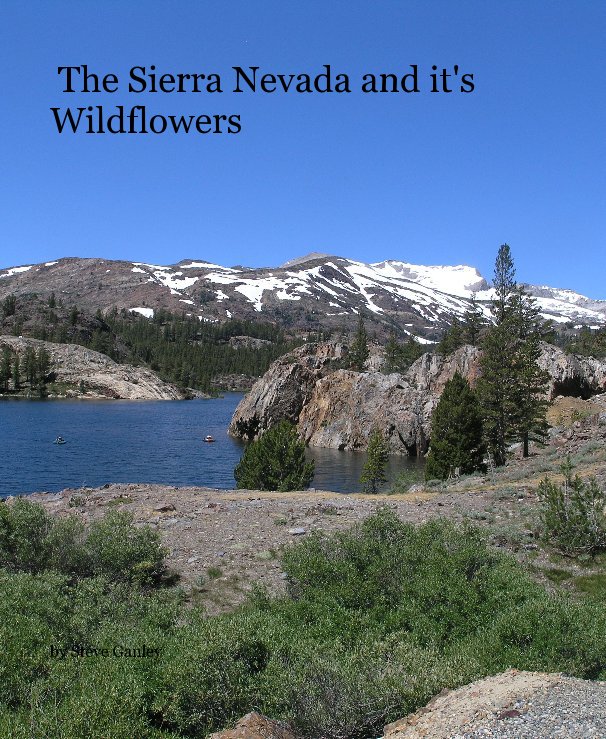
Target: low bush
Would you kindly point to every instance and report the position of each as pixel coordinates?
(376, 621)
(573, 513)
(32, 541)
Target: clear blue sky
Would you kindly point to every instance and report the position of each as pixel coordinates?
(425, 178)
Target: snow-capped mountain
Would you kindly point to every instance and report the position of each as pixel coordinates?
(310, 293)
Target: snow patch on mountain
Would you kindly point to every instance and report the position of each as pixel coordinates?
(147, 312)
(459, 280)
(16, 270)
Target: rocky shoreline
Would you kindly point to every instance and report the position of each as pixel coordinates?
(338, 408)
(78, 372)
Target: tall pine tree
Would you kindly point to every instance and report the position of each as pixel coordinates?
(359, 349)
(512, 386)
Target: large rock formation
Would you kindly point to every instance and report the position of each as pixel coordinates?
(283, 390)
(344, 408)
(83, 372)
(338, 408)
(572, 375)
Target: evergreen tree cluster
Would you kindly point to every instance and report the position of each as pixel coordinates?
(467, 331)
(399, 357)
(180, 348)
(510, 401)
(33, 370)
(588, 342)
(192, 353)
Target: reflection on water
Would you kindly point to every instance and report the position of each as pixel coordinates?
(340, 471)
(139, 441)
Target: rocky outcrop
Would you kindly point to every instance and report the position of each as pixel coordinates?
(256, 726)
(346, 406)
(431, 372)
(514, 703)
(573, 375)
(338, 408)
(81, 372)
(284, 389)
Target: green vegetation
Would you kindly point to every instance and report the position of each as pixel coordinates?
(512, 386)
(456, 433)
(467, 331)
(191, 353)
(407, 477)
(399, 357)
(373, 472)
(588, 342)
(358, 351)
(32, 541)
(573, 514)
(275, 461)
(377, 620)
(180, 348)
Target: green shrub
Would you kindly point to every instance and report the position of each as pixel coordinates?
(32, 541)
(116, 548)
(573, 514)
(377, 620)
(24, 532)
(275, 461)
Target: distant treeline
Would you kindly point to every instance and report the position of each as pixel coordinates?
(180, 348)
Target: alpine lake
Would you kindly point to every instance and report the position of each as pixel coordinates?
(142, 442)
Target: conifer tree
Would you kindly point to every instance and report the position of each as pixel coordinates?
(373, 472)
(392, 354)
(531, 380)
(504, 283)
(359, 348)
(473, 323)
(275, 461)
(512, 385)
(456, 432)
(5, 368)
(30, 366)
(495, 388)
(399, 357)
(452, 338)
(16, 373)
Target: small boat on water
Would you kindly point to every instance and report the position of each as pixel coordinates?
(209, 438)
(59, 440)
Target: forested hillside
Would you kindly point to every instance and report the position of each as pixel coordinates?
(180, 348)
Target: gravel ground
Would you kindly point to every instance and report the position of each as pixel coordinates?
(512, 705)
(573, 709)
(222, 542)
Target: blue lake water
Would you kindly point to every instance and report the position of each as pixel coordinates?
(139, 441)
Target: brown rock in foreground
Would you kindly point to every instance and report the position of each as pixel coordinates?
(453, 712)
(255, 726)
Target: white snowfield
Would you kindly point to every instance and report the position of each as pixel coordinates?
(147, 312)
(15, 271)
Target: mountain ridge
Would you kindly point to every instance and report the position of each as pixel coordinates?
(311, 293)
